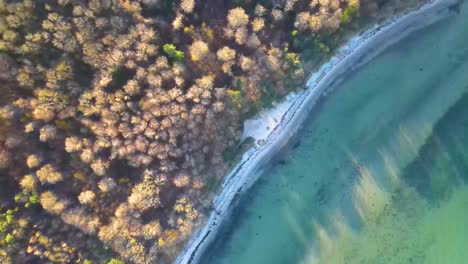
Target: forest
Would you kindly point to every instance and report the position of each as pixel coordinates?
(119, 118)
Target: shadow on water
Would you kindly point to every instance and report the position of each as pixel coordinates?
(399, 213)
(447, 145)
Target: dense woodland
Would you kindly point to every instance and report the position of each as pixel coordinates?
(118, 118)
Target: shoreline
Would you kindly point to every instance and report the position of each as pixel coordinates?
(355, 53)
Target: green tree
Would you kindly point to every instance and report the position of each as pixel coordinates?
(115, 261)
(7, 220)
(349, 13)
(235, 99)
(172, 52)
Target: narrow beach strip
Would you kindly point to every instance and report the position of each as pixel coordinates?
(354, 54)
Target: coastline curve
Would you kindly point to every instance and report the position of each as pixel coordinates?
(354, 54)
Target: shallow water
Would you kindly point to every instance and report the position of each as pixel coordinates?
(380, 175)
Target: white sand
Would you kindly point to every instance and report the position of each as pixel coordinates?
(274, 128)
(261, 126)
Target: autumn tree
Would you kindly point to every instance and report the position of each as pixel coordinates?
(198, 50)
(48, 174)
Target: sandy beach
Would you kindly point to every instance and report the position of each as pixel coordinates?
(273, 129)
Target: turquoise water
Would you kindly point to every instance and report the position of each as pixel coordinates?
(380, 174)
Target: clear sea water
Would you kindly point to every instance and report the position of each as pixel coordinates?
(381, 171)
